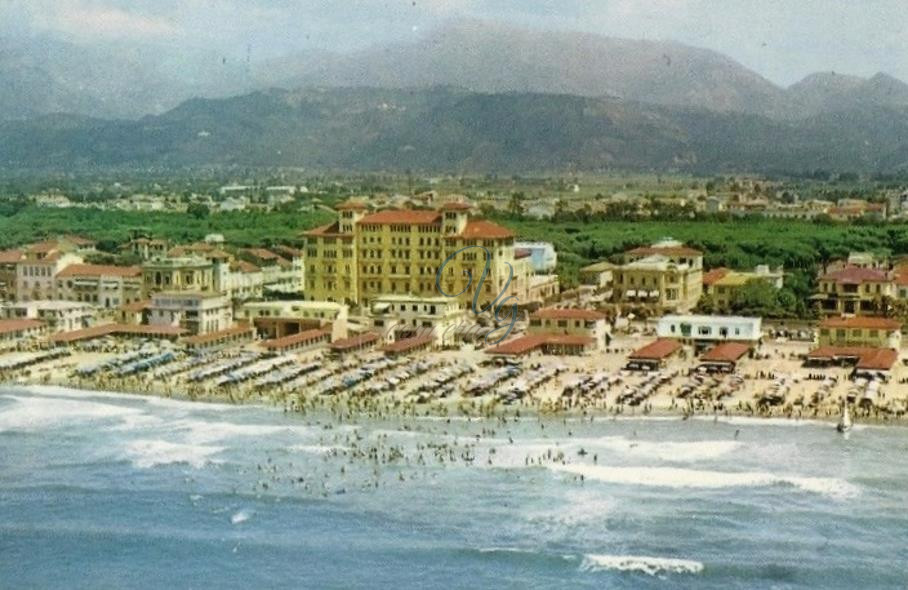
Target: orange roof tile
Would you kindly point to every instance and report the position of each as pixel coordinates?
(855, 275)
(408, 344)
(657, 350)
(10, 256)
(727, 352)
(482, 229)
(18, 325)
(714, 275)
(116, 330)
(868, 358)
(354, 341)
(530, 342)
(300, 337)
(240, 329)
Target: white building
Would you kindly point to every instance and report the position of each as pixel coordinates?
(543, 257)
(58, 316)
(274, 317)
(707, 329)
(397, 317)
(194, 311)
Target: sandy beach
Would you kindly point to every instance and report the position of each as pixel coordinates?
(774, 384)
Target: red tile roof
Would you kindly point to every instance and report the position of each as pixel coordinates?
(530, 342)
(554, 313)
(484, 230)
(18, 325)
(117, 330)
(243, 266)
(408, 344)
(10, 256)
(855, 275)
(99, 270)
(727, 352)
(860, 322)
(868, 358)
(305, 336)
(332, 229)
(238, 330)
(657, 351)
(714, 275)
(402, 217)
(354, 341)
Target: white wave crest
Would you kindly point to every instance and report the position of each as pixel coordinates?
(669, 477)
(670, 450)
(145, 454)
(241, 516)
(36, 413)
(652, 566)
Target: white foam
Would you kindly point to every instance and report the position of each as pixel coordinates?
(652, 566)
(669, 477)
(241, 516)
(669, 450)
(317, 449)
(205, 431)
(36, 413)
(145, 453)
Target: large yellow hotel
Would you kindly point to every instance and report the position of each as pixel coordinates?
(364, 255)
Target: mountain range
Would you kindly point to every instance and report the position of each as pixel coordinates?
(468, 96)
(445, 129)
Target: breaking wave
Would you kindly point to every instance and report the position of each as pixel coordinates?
(652, 566)
(670, 477)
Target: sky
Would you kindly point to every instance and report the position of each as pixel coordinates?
(782, 40)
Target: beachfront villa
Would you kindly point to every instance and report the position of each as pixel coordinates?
(276, 319)
(576, 322)
(104, 285)
(875, 332)
(666, 275)
(366, 255)
(178, 273)
(854, 290)
(196, 312)
(706, 330)
(722, 283)
(57, 316)
(404, 316)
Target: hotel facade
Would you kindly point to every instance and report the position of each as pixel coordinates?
(363, 256)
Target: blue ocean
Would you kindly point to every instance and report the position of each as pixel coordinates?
(106, 490)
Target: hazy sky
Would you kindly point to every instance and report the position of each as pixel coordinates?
(782, 40)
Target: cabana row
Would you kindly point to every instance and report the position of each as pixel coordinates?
(872, 361)
(724, 357)
(148, 331)
(654, 355)
(546, 343)
(24, 359)
(408, 345)
(356, 343)
(239, 334)
(305, 340)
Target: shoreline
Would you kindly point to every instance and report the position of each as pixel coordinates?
(344, 407)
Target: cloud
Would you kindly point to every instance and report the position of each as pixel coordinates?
(90, 20)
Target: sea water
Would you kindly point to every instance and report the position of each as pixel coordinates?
(105, 490)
